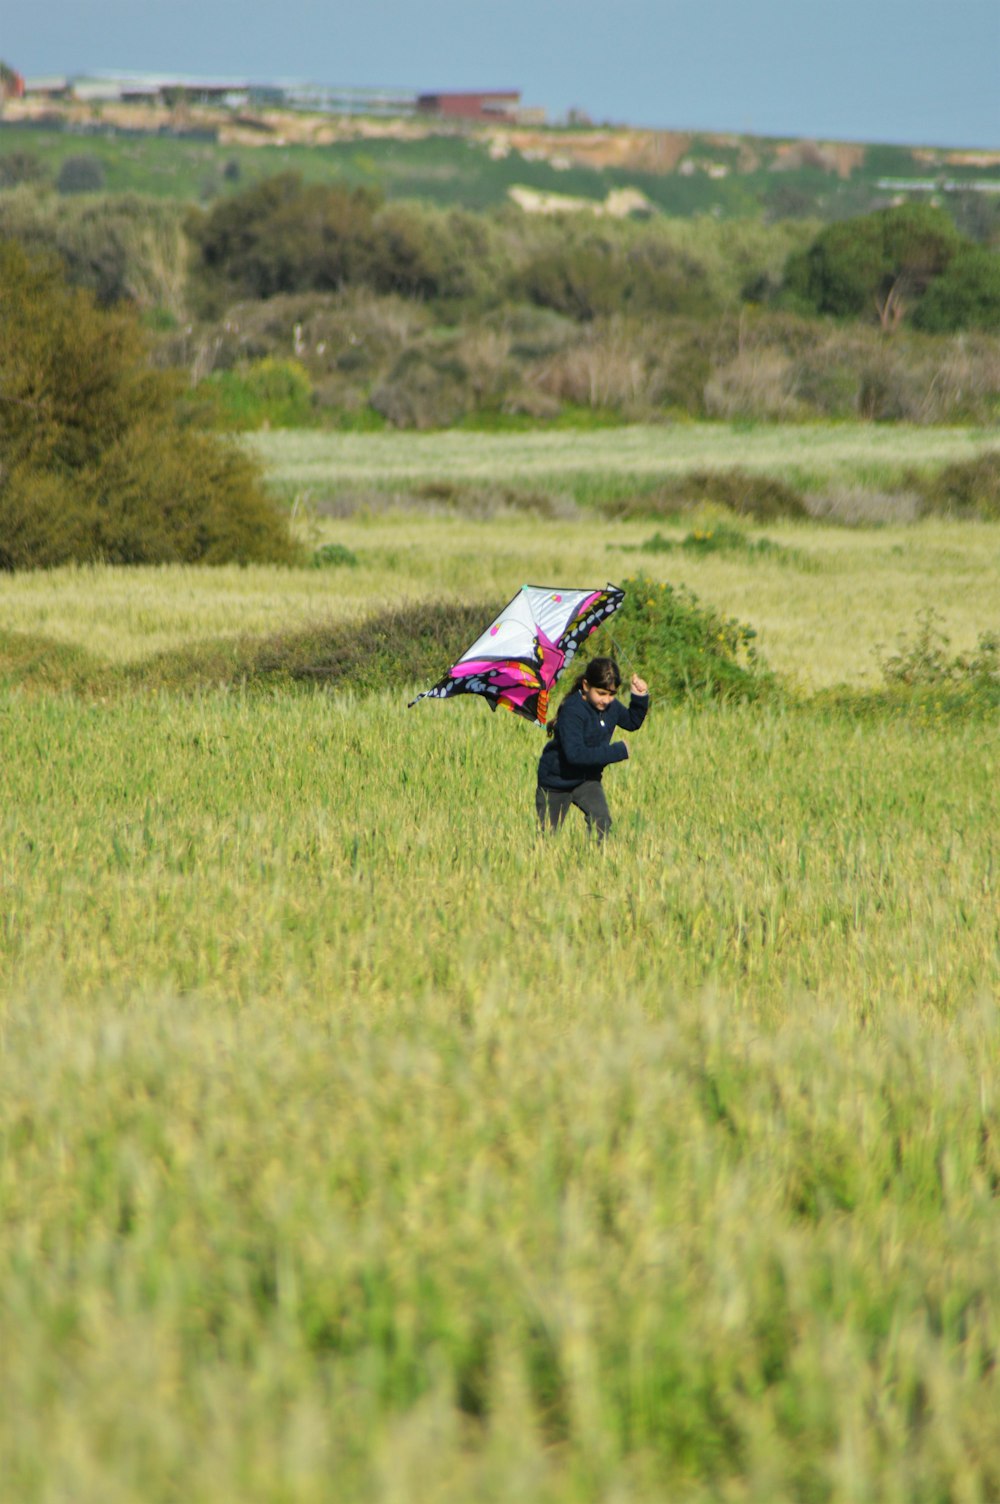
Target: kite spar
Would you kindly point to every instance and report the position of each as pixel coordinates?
(521, 654)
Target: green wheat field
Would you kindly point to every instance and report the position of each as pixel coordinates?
(357, 1144)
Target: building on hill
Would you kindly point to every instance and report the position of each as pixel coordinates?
(494, 105)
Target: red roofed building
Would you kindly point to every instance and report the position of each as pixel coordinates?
(492, 104)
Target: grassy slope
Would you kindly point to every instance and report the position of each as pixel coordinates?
(456, 169)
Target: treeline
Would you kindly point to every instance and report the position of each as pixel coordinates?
(420, 316)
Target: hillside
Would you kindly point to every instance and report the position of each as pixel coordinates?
(197, 153)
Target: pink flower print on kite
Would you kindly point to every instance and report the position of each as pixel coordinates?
(521, 654)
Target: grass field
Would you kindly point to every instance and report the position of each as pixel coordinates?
(827, 604)
(356, 1144)
(812, 456)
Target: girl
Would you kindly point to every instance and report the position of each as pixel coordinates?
(570, 768)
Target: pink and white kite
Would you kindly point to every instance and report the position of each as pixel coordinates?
(521, 655)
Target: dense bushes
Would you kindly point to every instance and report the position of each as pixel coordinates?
(422, 317)
(95, 462)
(122, 248)
(389, 358)
(965, 296)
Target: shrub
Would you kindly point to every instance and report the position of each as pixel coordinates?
(581, 281)
(82, 174)
(878, 264)
(924, 662)
(21, 167)
(284, 236)
(722, 539)
(968, 488)
(412, 645)
(334, 556)
(762, 497)
(122, 247)
(97, 463)
(684, 648)
(965, 296)
(426, 389)
(271, 392)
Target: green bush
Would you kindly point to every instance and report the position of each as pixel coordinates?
(21, 167)
(334, 556)
(877, 265)
(283, 236)
(81, 174)
(96, 462)
(272, 393)
(121, 247)
(720, 539)
(968, 488)
(965, 296)
(923, 662)
(684, 649)
(581, 281)
(427, 388)
(743, 492)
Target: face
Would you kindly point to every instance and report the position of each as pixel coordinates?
(600, 699)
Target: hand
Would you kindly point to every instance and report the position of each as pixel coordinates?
(639, 686)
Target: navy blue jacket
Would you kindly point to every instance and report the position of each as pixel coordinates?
(581, 746)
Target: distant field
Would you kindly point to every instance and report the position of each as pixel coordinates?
(808, 455)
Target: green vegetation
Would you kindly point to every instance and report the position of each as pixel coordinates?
(763, 471)
(308, 1090)
(96, 464)
(875, 266)
(353, 1137)
(422, 316)
(306, 1093)
(457, 169)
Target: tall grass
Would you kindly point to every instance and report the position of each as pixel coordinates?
(356, 1143)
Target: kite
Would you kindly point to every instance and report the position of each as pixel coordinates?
(522, 653)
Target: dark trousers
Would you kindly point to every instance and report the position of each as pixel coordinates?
(553, 806)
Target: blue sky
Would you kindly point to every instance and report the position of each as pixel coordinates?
(923, 71)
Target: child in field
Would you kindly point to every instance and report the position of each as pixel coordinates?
(570, 768)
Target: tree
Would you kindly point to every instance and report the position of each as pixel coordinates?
(965, 296)
(282, 236)
(881, 263)
(96, 464)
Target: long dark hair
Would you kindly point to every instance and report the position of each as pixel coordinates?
(600, 673)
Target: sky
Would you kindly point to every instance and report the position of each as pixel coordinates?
(912, 72)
